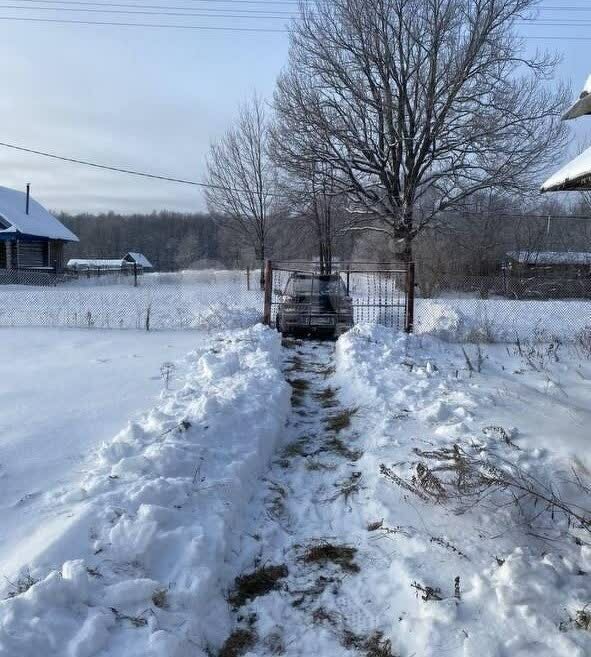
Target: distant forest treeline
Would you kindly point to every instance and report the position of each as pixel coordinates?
(170, 240)
(474, 243)
(173, 241)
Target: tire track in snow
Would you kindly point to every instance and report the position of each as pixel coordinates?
(298, 590)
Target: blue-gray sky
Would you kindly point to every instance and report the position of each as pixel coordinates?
(153, 99)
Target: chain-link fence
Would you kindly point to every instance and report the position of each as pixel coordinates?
(207, 299)
(503, 306)
(497, 307)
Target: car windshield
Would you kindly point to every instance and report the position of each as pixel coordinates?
(317, 285)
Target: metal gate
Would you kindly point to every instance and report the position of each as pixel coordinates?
(380, 293)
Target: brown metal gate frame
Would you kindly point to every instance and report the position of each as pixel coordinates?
(408, 269)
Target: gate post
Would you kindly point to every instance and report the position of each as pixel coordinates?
(409, 315)
(268, 294)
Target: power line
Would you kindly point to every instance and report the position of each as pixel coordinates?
(139, 8)
(197, 183)
(159, 10)
(149, 13)
(131, 172)
(267, 5)
(66, 21)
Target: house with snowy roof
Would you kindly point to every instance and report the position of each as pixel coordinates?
(127, 262)
(576, 175)
(31, 238)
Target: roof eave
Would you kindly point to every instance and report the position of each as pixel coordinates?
(581, 108)
(579, 184)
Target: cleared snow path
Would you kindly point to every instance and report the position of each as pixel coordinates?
(299, 587)
(340, 557)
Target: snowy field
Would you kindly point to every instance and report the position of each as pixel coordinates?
(62, 393)
(225, 520)
(209, 300)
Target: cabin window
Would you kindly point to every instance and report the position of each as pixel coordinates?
(3, 255)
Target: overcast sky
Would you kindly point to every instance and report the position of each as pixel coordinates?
(152, 98)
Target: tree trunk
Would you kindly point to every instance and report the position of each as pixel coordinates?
(406, 234)
(260, 256)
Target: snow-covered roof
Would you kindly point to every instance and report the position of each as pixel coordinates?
(94, 263)
(551, 257)
(583, 104)
(140, 258)
(576, 175)
(39, 222)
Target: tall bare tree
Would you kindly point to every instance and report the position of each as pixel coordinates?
(316, 204)
(415, 105)
(243, 192)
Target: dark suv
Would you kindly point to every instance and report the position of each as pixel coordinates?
(316, 305)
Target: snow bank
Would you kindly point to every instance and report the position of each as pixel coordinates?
(519, 593)
(141, 568)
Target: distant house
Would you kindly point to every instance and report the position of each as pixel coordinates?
(576, 175)
(549, 274)
(31, 238)
(551, 262)
(105, 265)
(139, 259)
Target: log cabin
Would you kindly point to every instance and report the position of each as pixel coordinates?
(31, 239)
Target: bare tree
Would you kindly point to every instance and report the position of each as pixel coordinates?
(243, 192)
(318, 204)
(416, 105)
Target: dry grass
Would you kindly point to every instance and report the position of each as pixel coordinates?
(469, 476)
(22, 584)
(301, 385)
(252, 585)
(325, 553)
(327, 397)
(238, 643)
(297, 448)
(317, 466)
(136, 621)
(340, 421)
(580, 621)
(348, 487)
(373, 645)
(337, 446)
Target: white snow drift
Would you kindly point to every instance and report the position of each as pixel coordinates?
(138, 566)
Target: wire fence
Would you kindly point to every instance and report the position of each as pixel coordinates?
(505, 306)
(182, 300)
(499, 307)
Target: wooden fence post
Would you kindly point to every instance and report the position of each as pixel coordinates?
(248, 278)
(135, 274)
(268, 294)
(409, 318)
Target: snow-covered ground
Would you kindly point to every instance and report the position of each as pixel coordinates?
(130, 557)
(62, 393)
(226, 522)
